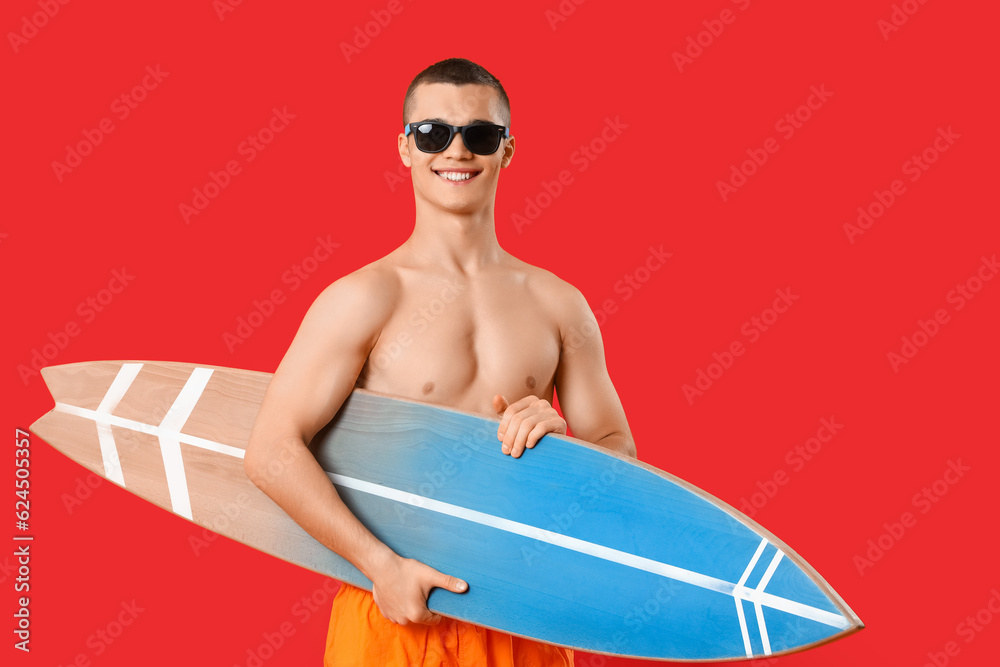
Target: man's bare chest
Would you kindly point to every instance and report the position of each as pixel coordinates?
(460, 347)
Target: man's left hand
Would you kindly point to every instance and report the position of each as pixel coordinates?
(524, 422)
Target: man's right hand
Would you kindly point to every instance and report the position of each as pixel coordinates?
(401, 586)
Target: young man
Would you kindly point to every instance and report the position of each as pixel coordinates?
(450, 318)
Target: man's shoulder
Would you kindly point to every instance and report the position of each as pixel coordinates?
(357, 289)
(378, 275)
(559, 294)
(541, 279)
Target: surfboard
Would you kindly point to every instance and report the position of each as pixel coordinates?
(570, 544)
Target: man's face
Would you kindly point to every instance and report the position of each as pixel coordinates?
(455, 105)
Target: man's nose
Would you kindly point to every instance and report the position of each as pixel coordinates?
(457, 147)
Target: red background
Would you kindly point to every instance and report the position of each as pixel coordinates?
(325, 175)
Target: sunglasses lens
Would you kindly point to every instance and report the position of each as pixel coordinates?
(432, 137)
(482, 139)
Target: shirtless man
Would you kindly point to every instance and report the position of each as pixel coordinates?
(508, 335)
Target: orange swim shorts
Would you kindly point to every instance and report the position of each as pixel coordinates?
(360, 636)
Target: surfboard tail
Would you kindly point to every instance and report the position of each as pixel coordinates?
(70, 384)
(175, 435)
(149, 426)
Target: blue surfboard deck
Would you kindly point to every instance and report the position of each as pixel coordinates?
(569, 544)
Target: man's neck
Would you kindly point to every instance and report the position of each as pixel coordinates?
(461, 242)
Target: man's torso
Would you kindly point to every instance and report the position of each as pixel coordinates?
(459, 340)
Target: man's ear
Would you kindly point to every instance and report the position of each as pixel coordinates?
(508, 153)
(404, 149)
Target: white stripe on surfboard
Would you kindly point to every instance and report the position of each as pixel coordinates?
(109, 451)
(772, 566)
(597, 550)
(168, 432)
(170, 445)
(739, 600)
(743, 626)
(156, 431)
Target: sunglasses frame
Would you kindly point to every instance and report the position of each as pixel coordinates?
(411, 128)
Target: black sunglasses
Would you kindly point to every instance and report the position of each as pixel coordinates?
(433, 137)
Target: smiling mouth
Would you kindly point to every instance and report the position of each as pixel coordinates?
(457, 176)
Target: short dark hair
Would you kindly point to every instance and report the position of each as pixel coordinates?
(458, 72)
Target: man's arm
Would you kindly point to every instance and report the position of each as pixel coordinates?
(315, 377)
(586, 394)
